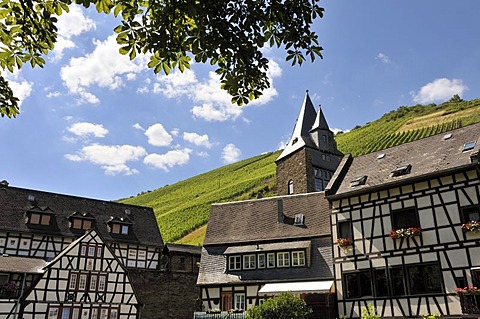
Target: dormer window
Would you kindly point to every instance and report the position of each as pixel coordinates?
(359, 181)
(39, 219)
(81, 221)
(120, 225)
(299, 220)
(402, 170)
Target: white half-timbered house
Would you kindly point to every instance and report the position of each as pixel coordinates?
(86, 280)
(398, 213)
(258, 248)
(40, 226)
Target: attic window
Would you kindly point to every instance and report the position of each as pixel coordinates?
(358, 181)
(39, 219)
(402, 170)
(120, 229)
(447, 136)
(295, 140)
(380, 156)
(80, 223)
(468, 146)
(299, 220)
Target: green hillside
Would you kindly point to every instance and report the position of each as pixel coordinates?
(182, 209)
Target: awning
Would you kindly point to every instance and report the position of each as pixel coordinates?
(297, 287)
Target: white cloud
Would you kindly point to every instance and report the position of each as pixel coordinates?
(439, 90)
(169, 159)
(53, 94)
(175, 132)
(137, 126)
(84, 129)
(212, 103)
(21, 89)
(230, 154)
(111, 158)
(197, 139)
(103, 67)
(202, 154)
(336, 130)
(158, 136)
(69, 25)
(383, 58)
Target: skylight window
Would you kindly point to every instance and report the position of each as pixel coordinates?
(380, 156)
(299, 220)
(447, 136)
(468, 146)
(358, 181)
(402, 170)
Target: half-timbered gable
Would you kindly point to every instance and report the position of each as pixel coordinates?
(41, 224)
(86, 280)
(257, 248)
(181, 258)
(404, 224)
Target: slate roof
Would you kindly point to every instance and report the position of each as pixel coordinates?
(14, 204)
(428, 156)
(257, 220)
(181, 248)
(13, 264)
(301, 132)
(213, 267)
(253, 226)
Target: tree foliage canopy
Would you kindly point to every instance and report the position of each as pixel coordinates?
(285, 306)
(226, 33)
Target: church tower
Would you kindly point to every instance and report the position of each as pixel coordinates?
(311, 156)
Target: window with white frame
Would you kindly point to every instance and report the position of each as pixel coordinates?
(73, 281)
(298, 258)
(141, 254)
(271, 260)
(91, 251)
(249, 262)
(53, 313)
(93, 283)
(82, 282)
(239, 301)
(94, 313)
(102, 282)
(66, 313)
(234, 262)
(283, 259)
(261, 261)
(132, 253)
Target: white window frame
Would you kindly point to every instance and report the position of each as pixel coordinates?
(99, 251)
(82, 282)
(298, 258)
(53, 313)
(93, 282)
(239, 301)
(271, 260)
(102, 282)
(94, 313)
(66, 313)
(91, 251)
(249, 262)
(283, 259)
(132, 254)
(124, 229)
(142, 254)
(73, 281)
(236, 264)
(262, 261)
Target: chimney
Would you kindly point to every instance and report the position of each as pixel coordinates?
(281, 217)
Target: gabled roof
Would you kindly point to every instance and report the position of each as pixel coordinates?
(257, 220)
(182, 248)
(301, 132)
(437, 154)
(14, 204)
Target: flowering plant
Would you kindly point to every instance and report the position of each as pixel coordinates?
(214, 310)
(344, 242)
(405, 232)
(235, 310)
(10, 287)
(472, 226)
(467, 290)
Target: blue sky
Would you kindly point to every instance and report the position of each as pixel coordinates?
(95, 124)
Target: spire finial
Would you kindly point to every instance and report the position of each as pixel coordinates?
(307, 91)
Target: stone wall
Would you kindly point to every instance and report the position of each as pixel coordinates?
(293, 167)
(165, 294)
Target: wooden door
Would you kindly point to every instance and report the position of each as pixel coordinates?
(227, 301)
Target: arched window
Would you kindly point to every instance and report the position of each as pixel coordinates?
(290, 187)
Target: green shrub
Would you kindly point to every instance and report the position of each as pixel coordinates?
(285, 306)
(370, 312)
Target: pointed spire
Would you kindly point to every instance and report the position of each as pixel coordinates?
(320, 121)
(301, 133)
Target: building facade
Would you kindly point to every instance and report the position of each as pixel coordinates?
(404, 225)
(75, 254)
(258, 248)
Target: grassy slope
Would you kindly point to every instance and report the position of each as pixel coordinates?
(182, 209)
(185, 206)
